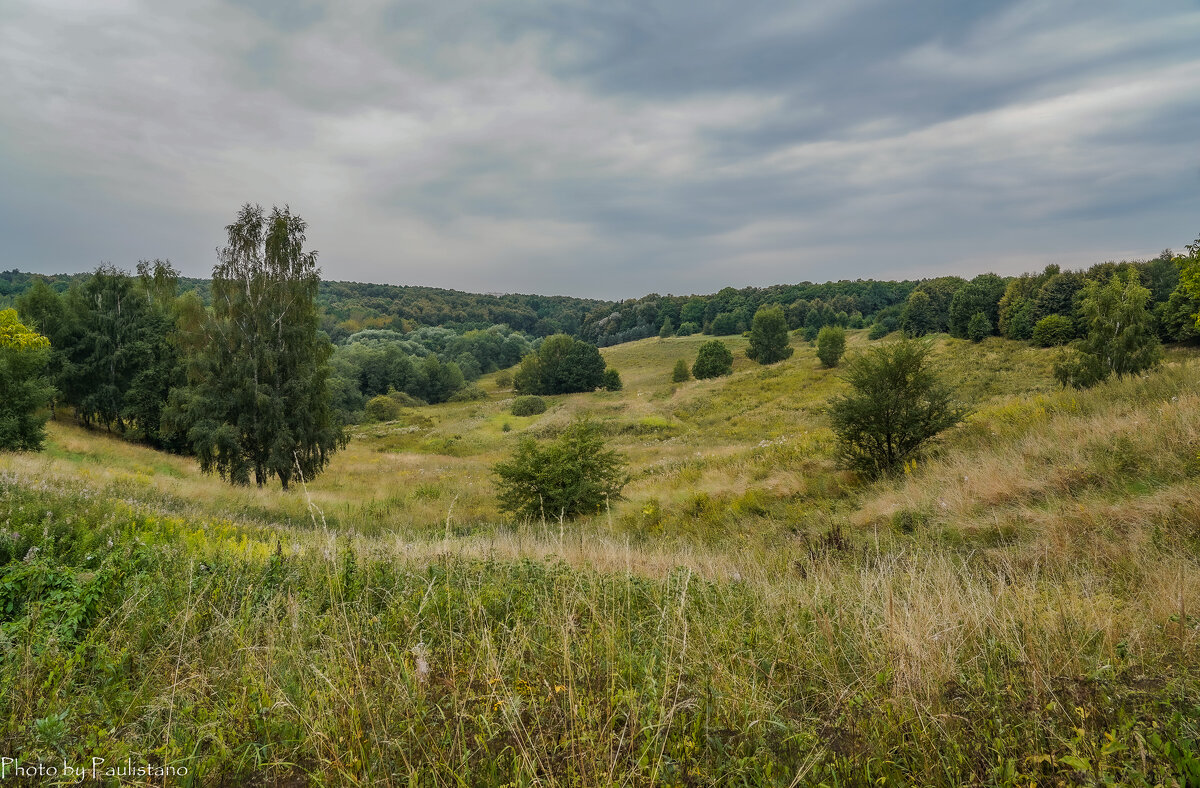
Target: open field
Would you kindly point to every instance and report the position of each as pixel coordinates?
(1022, 608)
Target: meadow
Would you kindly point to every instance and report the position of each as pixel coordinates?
(1020, 607)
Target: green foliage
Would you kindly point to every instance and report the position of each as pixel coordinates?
(561, 365)
(1120, 339)
(381, 407)
(25, 391)
(979, 327)
(1053, 330)
(981, 294)
(724, 324)
(611, 380)
(667, 330)
(573, 475)
(831, 344)
(769, 336)
(258, 403)
(687, 329)
(713, 360)
(504, 381)
(681, 373)
(528, 406)
(897, 403)
(919, 317)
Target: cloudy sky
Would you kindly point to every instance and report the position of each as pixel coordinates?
(603, 148)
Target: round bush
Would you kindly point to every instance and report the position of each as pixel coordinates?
(1053, 330)
(528, 406)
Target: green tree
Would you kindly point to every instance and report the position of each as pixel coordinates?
(561, 365)
(896, 404)
(979, 327)
(681, 373)
(769, 336)
(712, 360)
(724, 324)
(981, 294)
(259, 404)
(831, 344)
(25, 391)
(667, 330)
(1120, 339)
(611, 380)
(919, 317)
(575, 474)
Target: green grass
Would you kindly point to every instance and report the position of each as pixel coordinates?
(1022, 608)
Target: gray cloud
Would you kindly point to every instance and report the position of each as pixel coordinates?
(605, 149)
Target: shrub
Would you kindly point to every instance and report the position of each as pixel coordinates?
(713, 360)
(468, 394)
(769, 336)
(979, 327)
(575, 474)
(896, 404)
(1053, 330)
(528, 406)
(611, 380)
(831, 344)
(687, 329)
(381, 407)
(504, 381)
(878, 331)
(681, 372)
(667, 330)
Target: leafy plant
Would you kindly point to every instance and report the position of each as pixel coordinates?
(831, 344)
(713, 360)
(897, 403)
(572, 475)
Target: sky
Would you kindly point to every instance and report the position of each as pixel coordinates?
(606, 149)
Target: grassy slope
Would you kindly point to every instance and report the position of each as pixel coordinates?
(1020, 607)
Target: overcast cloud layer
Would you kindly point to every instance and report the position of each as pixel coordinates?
(607, 148)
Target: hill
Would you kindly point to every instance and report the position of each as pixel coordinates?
(1019, 607)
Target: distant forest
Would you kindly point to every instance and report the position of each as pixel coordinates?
(1012, 305)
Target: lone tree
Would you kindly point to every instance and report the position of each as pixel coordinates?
(713, 360)
(573, 475)
(769, 336)
(681, 372)
(1120, 339)
(25, 392)
(831, 344)
(896, 404)
(258, 404)
(979, 327)
(667, 330)
(561, 365)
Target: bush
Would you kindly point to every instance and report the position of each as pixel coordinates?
(979, 327)
(879, 331)
(681, 372)
(1053, 330)
(831, 344)
(769, 336)
(468, 394)
(381, 407)
(687, 329)
(504, 381)
(611, 380)
(713, 360)
(528, 406)
(896, 404)
(573, 475)
(667, 330)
